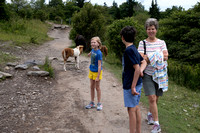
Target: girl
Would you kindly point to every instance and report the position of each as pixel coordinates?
(95, 72)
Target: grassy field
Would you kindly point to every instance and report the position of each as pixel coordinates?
(24, 32)
(21, 33)
(179, 107)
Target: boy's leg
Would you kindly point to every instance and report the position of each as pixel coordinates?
(138, 120)
(132, 119)
(97, 84)
(92, 86)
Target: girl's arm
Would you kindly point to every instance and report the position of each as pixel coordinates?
(99, 70)
(89, 54)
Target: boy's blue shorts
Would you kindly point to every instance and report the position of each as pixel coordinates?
(129, 99)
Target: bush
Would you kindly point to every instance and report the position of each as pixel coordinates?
(182, 35)
(113, 34)
(89, 22)
(184, 74)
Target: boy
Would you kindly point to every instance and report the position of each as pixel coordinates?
(132, 82)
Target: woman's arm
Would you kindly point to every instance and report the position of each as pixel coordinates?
(165, 53)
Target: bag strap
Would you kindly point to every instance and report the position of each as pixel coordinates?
(144, 47)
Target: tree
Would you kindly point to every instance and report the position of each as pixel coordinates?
(55, 3)
(70, 8)
(126, 8)
(181, 32)
(4, 14)
(89, 22)
(19, 4)
(114, 39)
(114, 11)
(170, 11)
(56, 10)
(80, 3)
(154, 10)
(38, 4)
(130, 8)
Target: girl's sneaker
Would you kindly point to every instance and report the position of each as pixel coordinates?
(99, 106)
(90, 105)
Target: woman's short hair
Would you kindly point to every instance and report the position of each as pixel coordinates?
(151, 22)
(96, 38)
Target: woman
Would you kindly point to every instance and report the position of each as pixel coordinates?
(151, 88)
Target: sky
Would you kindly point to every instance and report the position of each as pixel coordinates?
(162, 4)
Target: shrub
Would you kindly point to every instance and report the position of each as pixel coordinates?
(182, 35)
(89, 22)
(113, 34)
(184, 74)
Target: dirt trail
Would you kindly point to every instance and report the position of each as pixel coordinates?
(61, 100)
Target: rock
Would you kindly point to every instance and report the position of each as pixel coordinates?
(18, 47)
(7, 75)
(36, 68)
(7, 68)
(38, 73)
(11, 64)
(22, 66)
(52, 58)
(30, 63)
(114, 84)
(1, 76)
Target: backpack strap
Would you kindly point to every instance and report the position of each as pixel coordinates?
(144, 46)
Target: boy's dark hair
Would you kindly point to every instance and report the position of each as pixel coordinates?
(128, 33)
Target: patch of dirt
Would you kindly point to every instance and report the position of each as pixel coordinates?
(56, 105)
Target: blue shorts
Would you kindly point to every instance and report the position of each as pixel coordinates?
(129, 99)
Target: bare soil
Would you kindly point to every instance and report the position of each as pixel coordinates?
(56, 105)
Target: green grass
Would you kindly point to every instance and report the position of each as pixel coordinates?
(6, 58)
(24, 32)
(47, 67)
(179, 107)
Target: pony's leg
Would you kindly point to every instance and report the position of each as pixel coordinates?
(64, 66)
(78, 62)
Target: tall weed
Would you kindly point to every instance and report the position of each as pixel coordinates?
(184, 74)
(47, 67)
(22, 31)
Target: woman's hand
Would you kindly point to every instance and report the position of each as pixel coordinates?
(165, 53)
